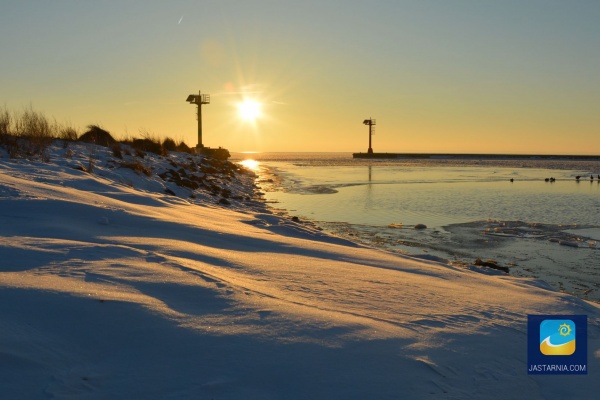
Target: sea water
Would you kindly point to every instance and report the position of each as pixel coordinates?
(510, 212)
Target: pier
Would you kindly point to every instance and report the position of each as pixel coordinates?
(467, 156)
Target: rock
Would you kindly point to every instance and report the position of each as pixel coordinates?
(491, 264)
(189, 184)
(79, 167)
(420, 226)
(295, 219)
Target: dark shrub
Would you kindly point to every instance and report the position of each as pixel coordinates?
(169, 144)
(147, 145)
(97, 135)
(183, 148)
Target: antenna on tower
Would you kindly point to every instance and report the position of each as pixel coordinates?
(371, 123)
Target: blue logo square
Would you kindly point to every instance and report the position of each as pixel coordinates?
(557, 337)
(557, 344)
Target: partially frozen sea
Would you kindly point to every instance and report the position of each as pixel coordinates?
(538, 227)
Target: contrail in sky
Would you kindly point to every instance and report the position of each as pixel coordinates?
(180, 19)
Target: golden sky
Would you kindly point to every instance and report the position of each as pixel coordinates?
(438, 76)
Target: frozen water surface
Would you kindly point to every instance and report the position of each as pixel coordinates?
(538, 227)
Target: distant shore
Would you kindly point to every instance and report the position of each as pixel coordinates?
(480, 156)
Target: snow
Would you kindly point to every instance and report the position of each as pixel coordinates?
(111, 288)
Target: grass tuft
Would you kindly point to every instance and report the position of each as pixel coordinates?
(137, 167)
(28, 133)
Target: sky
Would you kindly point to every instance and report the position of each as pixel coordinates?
(440, 76)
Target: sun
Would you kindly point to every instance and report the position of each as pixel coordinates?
(249, 110)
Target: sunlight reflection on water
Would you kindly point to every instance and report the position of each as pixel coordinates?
(251, 164)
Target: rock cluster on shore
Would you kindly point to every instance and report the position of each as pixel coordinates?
(186, 175)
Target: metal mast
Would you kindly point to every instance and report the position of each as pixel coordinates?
(371, 123)
(199, 99)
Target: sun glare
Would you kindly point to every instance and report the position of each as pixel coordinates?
(251, 164)
(249, 110)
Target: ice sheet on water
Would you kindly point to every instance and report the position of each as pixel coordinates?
(559, 234)
(593, 234)
(314, 189)
(565, 256)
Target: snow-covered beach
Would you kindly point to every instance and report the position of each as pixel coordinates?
(112, 288)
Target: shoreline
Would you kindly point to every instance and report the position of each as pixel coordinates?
(104, 278)
(509, 241)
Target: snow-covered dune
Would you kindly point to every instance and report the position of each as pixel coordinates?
(111, 288)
